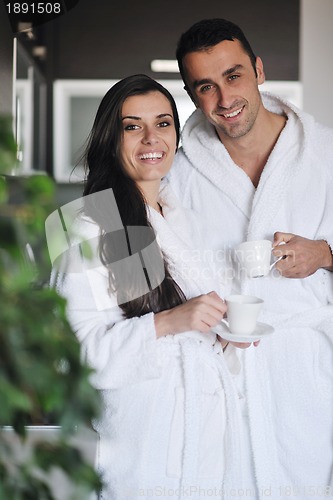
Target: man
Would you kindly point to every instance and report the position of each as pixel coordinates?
(258, 168)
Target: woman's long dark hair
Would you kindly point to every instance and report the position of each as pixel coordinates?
(104, 170)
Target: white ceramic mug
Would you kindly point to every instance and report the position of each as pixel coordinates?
(242, 313)
(255, 257)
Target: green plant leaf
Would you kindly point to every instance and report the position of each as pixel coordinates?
(42, 377)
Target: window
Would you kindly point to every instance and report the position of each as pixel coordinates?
(76, 103)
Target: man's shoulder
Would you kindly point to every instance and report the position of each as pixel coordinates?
(322, 143)
(321, 148)
(182, 177)
(325, 132)
(318, 137)
(181, 167)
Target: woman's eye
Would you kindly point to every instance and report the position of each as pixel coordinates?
(164, 124)
(131, 127)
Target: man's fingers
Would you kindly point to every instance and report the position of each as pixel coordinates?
(280, 237)
(283, 252)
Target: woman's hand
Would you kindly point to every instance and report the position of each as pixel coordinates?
(200, 313)
(244, 345)
(239, 345)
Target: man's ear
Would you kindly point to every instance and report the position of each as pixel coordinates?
(260, 71)
(189, 93)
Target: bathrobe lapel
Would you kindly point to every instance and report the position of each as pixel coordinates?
(284, 163)
(214, 162)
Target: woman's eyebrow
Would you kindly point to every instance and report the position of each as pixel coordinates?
(131, 117)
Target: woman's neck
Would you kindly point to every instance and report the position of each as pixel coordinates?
(150, 192)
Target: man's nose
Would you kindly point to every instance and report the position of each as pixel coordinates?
(225, 97)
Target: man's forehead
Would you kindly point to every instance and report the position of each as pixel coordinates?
(226, 58)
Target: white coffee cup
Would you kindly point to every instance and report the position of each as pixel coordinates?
(242, 313)
(255, 257)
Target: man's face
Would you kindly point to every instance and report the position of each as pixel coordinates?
(223, 84)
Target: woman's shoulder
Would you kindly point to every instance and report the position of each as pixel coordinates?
(82, 228)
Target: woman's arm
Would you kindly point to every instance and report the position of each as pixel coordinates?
(121, 351)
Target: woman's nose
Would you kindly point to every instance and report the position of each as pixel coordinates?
(150, 137)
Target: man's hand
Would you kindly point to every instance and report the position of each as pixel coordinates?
(301, 256)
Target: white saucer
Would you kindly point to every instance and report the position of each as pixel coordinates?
(261, 331)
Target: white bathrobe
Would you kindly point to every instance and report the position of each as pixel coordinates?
(171, 420)
(289, 377)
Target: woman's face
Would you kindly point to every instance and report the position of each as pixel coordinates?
(149, 138)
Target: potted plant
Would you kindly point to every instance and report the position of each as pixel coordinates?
(42, 380)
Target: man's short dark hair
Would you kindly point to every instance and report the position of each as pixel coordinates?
(208, 33)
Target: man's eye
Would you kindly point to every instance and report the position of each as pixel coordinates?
(233, 77)
(205, 88)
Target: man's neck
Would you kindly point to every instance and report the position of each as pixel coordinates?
(251, 151)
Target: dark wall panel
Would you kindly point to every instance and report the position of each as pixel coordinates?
(114, 38)
(6, 62)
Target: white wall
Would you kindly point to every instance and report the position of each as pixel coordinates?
(316, 58)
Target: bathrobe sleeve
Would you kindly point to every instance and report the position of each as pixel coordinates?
(328, 222)
(120, 351)
(324, 153)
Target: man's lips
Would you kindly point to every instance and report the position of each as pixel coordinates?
(232, 114)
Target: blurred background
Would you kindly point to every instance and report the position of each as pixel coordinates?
(52, 78)
(54, 75)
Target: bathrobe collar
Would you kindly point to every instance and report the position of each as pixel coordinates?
(179, 238)
(209, 157)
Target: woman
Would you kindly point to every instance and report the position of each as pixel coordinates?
(170, 414)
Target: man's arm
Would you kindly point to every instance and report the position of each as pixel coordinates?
(302, 256)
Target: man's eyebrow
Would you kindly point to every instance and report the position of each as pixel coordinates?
(227, 72)
(204, 81)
